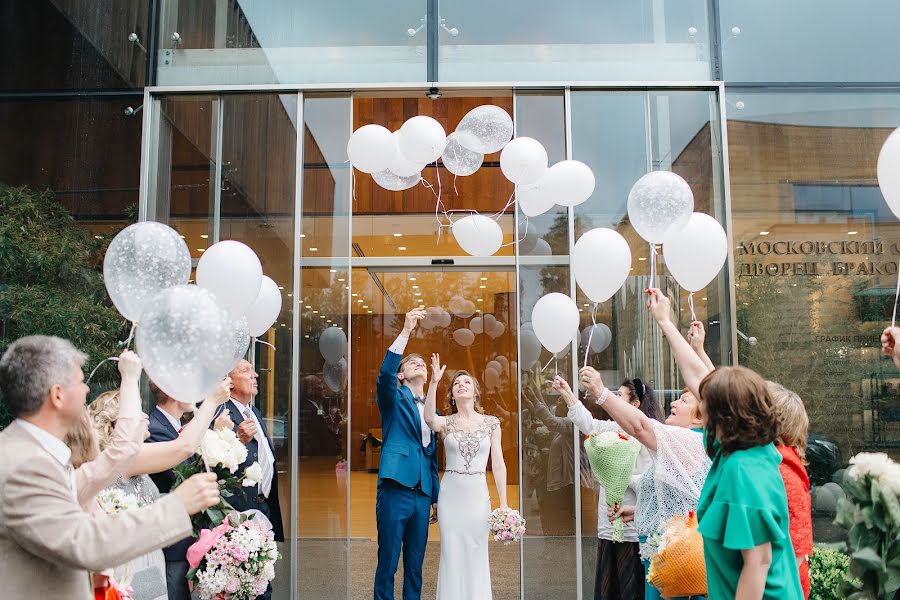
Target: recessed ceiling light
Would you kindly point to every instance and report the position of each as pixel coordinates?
(321, 316)
(703, 298)
(482, 286)
(204, 236)
(333, 271)
(201, 249)
(303, 235)
(306, 336)
(484, 278)
(412, 278)
(315, 312)
(340, 278)
(365, 306)
(182, 237)
(480, 300)
(401, 248)
(398, 235)
(290, 295)
(415, 287)
(418, 293)
(313, 249)
(642, 258)
(280, 287)
(283, 325)
(308, 306)
(586, 305)
(369, 311)
(763, 233)
(359, 301)
(852, 232)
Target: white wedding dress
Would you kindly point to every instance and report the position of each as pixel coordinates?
(464, 506)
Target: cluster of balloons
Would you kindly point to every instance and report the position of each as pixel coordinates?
(487, 325)
(660, 208)
(333, 347)
(188, 336)
(538, 188)
(497, 368)
(435, 316)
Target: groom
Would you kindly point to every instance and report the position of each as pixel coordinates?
(407, 477)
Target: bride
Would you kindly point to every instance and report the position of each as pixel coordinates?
(464, 504)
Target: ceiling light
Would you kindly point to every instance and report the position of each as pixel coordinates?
(586, 304)
(401, 248)
(412, 278)
(313, 249)
(290, 295)
(369, 311)
(365, 306)
(98, 237)
(321, 316)
(340, 278)
(398, 235)
(303, 235)
(642, 258)
(182, 237)
(308, 306)
(484, 278)
(359, 301)
(333, 271)
(852, 232)
(415, 287)
(354, 295)
(315, 312)
(201, 249)
(280, 287)
(763, 233)
(418, 293)
(481, 300)
(703, 298)
(204, 236)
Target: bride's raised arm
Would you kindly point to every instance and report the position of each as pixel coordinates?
(436, 422)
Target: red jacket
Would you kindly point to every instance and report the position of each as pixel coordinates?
(796, 484)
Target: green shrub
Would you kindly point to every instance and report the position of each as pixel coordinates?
(828, 569)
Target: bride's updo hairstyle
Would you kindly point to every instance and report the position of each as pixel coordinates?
(103, 412)
(475, 386)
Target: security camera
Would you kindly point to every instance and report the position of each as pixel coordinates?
(433, 93)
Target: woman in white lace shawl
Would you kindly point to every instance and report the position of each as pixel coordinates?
(672, 485)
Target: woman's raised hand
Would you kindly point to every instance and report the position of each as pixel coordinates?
(437, 370)
(660, 306)
(563, 389)
(592, 381)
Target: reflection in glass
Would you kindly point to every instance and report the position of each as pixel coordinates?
(281, 41)
(324, 409)
(827, 41)
(815, 258)
(622, 40)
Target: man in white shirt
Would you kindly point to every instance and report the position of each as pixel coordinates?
(47, 543)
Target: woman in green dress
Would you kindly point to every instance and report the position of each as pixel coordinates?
(743, 511)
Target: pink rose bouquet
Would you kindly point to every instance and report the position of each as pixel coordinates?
(507, 525)
(234, 561)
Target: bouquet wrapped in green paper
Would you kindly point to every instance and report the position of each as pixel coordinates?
(612, 457)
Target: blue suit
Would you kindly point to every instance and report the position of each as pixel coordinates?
(161, 430)
(407, 486)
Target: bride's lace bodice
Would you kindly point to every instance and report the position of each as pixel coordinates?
(468, 451)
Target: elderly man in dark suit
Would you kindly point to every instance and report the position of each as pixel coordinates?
(251, 430)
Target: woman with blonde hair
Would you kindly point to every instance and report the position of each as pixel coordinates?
(793, 428)
(464, 503)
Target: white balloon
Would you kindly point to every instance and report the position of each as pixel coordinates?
(333, 344)
(601, 262)
(476, 326)
(459, 160)
(659, 205)
(432, 317)
(371, 148)
(402, 166)
(491, 379)
(468, 309)
(541, 248)
(186, 342)
(422, 139)
(529, 347)
(695, 256)
(141, 261)
(600, 340)
(568, 183)
(231, 271)
(395, 183)
(889, 171)
(478, 235)
(335, 374)
(504, 362)
(446, 319)
(489, 322)
(497, 330)
(457, 305)
(555, 321)
(264, 311)
(534, 199)
(496, 366)
(523, 161)
(463, 337)
(485, 129)
(240, 339)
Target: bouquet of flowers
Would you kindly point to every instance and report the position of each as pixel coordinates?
(871, 512)
(678, 568)
(113, 500)
(235, 560)
(612, 457)
(220, 452)
(507, 525)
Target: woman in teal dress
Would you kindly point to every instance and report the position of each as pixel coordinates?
(743, 511)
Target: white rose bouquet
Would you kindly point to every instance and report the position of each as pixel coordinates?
(113, 500)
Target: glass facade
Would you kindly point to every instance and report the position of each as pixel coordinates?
(229, 119)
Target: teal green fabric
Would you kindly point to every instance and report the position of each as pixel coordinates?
(744, 505)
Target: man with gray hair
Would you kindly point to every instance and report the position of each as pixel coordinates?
(47, 543)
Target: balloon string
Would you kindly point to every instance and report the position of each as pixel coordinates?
(652, 265)
(130, 335)
(266, 343)
(691, 304)
(112, 358)
(455, 191)
(896, 297)
(519, 240)
(587, 351)
(548, 363)
(512, 198)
